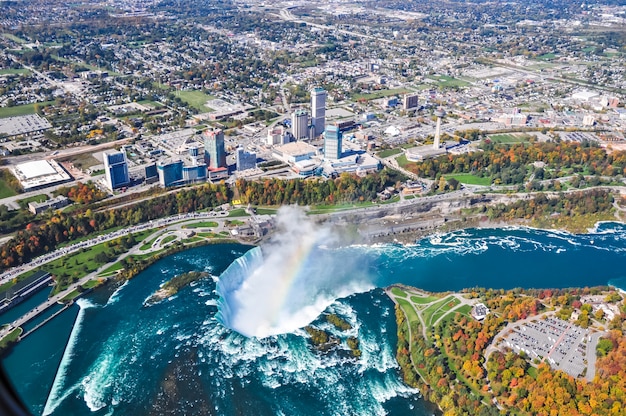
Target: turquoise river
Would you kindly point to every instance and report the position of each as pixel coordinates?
(112, 354)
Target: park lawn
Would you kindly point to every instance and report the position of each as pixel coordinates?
(469, 179)
(432, 310)
(408, 309)
(35, 198)
(72, 295)
(509, 138)
(388, 152)
(446, 81)
(404, 163)
(5, 190)
(111, 269)
(148, 245)
(238, 212)
(196, 99)
(14, 71)
(22, 110)
(445, 309)
(379, 94)
(398, 292)
(209, 235)
(266, 211)
(422, 300)
(464, 310)
(168, 239)
(209, 224)
(80, 263)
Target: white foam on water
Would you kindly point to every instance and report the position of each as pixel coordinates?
(59, 392)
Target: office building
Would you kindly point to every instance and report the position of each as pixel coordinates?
(214, 151)
(300, 124)
(318, 110)
(332, 143)
(245, 160)
(170, 172)
(115, 169)
(409, 102)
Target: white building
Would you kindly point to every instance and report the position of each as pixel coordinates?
(318, 110)
(299, 124)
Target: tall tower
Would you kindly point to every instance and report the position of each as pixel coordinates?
(439, 113)
(299, 124)
(115, 169)
(214, 151)
(332, 143)
(318, 109)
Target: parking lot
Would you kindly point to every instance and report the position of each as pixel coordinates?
(561, 344)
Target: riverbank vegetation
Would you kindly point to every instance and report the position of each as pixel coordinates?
(574, 211)
(171, 287)
(45, 235)
(513, 164)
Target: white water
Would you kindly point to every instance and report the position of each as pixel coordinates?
(57, 392)
(289, 283)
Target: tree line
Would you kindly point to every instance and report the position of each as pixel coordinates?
(47, 234)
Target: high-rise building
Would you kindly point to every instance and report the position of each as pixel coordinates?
(170, 172)
(214, 150)
(245, 160)
(115, 169)
(318, 110)
(299, 124)
(410, 101)
(332, 143)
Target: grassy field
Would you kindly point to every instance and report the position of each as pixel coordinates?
(209, 224)
(470, 179)
(398, 292)
(379, 94)
(6, 190)
(21, 110)
(388, 152)
(168, 239)
(35, 198)
(446, 81)
(12, 71)
(196, 99)
(266, 211)
(73, 294)
(509, 138)
(422, 300)
(547, 56)
(84, 160)
(408, 310)
(431, 313)
(13, 38)
(239, 212)
(111, 269)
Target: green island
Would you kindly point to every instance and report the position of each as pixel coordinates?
(324, 341)
(171, 287)
(494, 352)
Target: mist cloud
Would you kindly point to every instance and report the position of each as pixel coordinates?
(285, 284)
